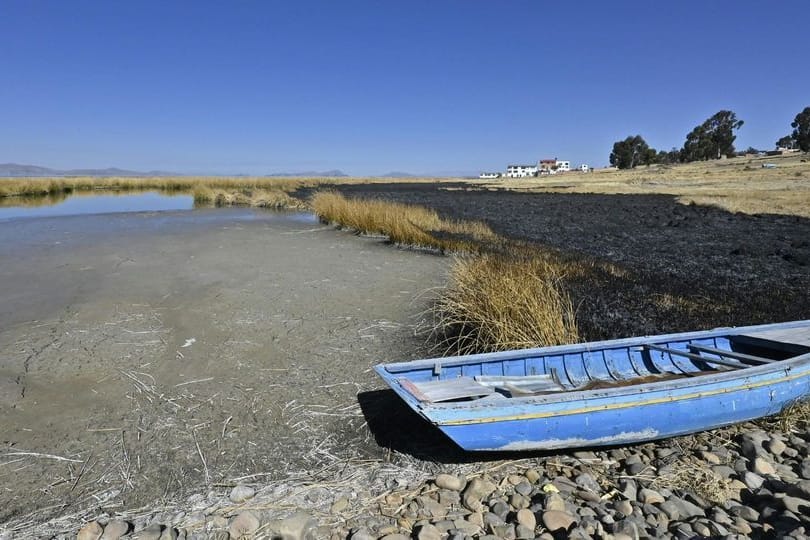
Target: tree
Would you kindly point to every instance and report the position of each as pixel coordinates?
(713, 138)
(630, 152)
(668, 158)
(801, 130)
(785, 142)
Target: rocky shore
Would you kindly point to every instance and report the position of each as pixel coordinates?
(743, 482)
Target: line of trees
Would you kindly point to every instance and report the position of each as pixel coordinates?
(710, 140)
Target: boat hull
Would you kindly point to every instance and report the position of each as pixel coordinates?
(605, 417)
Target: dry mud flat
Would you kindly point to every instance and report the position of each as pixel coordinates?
(144, 356)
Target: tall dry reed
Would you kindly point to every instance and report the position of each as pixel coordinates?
(496, 302)
(403, 224)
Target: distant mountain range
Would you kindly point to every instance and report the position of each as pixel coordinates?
(16, 170)
(333, 173)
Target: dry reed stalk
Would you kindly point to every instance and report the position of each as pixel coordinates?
(497, 302)
(403, 224)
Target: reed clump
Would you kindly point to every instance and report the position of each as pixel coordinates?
(496, 302)
(403, 224)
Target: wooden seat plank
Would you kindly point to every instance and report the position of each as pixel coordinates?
(699, 358)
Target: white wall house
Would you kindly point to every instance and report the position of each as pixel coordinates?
(521, 171)
(563, 166)
(489, 175)
(584, 167)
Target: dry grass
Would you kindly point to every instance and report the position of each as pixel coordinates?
(697, 477)
(502, 301)
(794, 418)
(737, 184)
(403, 224)
(257, 197)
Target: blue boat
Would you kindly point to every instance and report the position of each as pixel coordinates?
(610, 392)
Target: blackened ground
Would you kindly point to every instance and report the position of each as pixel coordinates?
(687, 266)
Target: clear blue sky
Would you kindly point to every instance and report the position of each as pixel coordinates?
(423, 86)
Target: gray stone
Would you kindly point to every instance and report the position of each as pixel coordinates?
(518, 501)
(741, 526)
(152, 532)
(339, 505)
(476, 490)
(169, 533)
(752, 481)
(588, 495)
(623, 507)
(532, 476)
(796, 505)
(687, 509)
(650, 496)
(671, 509)
(299, 526)
(555, 520)
(751, 445)
(524, 488)
(240, 494)
(555, 502)
(527, 518)
(710, 457)
(524, 533)
(115, 529)
(701, 529)
(244, 524)
(763, 467)
(428, 532)
(626, 527)
(586, 481)
(450, 481)
(90, 531)
(776, 446)
(395, 536)
(628, 488)
(505, 531)
(745, 512)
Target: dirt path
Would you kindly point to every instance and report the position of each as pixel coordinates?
(143, 354)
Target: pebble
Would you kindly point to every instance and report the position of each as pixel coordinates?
(115, 529)
(428, 532)
(91, 531)
(476, 490)
(762, 467)
(244, 524)
(526, 518)
(555, 520)
(450, 481)
(240, 494)
(650, 496)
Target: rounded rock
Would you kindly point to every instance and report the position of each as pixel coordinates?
(650, 496)
(527, 518)
(428, 532)
(115, 529)
(245, 524)
(91, 531)
(240, 494)
(556, 520)
(450, 481)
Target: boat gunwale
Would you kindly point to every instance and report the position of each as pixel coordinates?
(452, 361)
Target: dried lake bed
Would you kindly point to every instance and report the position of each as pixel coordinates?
(149, 354)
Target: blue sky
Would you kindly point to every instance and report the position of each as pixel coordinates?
(370, 87)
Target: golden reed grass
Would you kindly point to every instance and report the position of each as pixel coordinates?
(403, 224)
(496, 302)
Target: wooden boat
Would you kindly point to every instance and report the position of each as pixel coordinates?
(610, 392)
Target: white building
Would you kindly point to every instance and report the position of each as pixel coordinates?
(489, 175)
(584, 168)
(521, 171)
(563, 166)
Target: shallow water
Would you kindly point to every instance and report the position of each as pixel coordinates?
(76, 205)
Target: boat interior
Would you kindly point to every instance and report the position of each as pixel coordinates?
(532, 374)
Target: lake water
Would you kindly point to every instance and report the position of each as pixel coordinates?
(76, 205)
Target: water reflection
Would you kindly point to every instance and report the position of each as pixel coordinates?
(83, 204)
